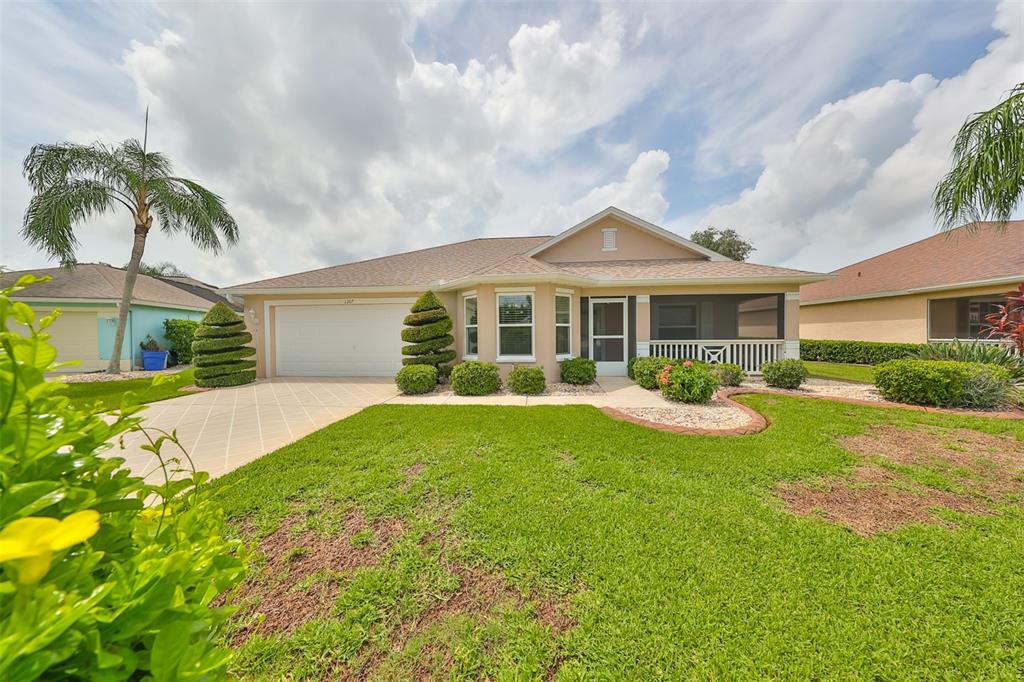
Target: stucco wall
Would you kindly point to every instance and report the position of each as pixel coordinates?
(632, 244)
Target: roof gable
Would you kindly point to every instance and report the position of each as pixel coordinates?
(554, 249)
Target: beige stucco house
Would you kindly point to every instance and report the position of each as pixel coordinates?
(610, 288)
(936, 289)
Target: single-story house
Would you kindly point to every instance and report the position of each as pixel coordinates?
(936, 289)
(610, 288)
(88, 296)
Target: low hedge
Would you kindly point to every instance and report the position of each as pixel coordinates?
(416, 379)
(856, 352)
(729, 374)
(784, 373)
(943, 383)
(578, 371)
(475, 378)
(526, 380)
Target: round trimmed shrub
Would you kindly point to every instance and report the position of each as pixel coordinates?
(416, 379)
(427, 328)
(475, 378)
(729, 374)
(526, 380)
(578, 371)
(219, 349)
(943, 383)
(688, 382)
(647, 369)
(784, 373)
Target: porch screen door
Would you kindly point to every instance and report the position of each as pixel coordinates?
(608, 324)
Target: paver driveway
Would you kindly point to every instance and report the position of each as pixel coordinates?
(228, 427)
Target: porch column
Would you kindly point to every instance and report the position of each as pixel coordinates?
(643, 325)
(791, 319)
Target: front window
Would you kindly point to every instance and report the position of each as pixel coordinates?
(515, 325)
(563, 325)
(471, 325)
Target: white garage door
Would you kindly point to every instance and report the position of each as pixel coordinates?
(75, 336)
(339, 340)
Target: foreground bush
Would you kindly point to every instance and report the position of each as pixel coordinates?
(973, 351)
(180, 334)
(688, 382)
(526, 380)
(729, 374)
(943, 383)
(856, 352)
(94, 583)
(647, 369)
(475, 378)
(416, 379)
(784, 373)
(219, 349)
(427, 331)
(578, 371)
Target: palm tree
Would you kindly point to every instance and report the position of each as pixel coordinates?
(74, 183)
(987, 179)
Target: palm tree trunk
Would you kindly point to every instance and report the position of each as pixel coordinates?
(130, 275)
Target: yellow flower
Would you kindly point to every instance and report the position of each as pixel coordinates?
(29, 543)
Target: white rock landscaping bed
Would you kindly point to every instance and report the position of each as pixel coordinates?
(716, 415)
(89, 377)
(824, 387)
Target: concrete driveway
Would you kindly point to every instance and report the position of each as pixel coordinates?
(229, 427)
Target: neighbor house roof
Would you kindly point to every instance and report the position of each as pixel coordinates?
(966, 256)
(515, 259)
(200, 289)
(98, 282)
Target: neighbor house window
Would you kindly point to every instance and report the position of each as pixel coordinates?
(515, 326)
(471, 325)
(608, 234)
(563, 325)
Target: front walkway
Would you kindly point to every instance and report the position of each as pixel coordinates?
(228, 427)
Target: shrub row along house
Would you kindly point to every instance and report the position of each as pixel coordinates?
(610, 288)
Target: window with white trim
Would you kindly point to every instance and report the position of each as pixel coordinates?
(469, 306)
(608, 236)
(563, 325)
(515, 325)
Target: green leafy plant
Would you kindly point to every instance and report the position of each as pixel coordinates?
(784, 373)
(729, 374)
(687, 382)
(578, 371)
(526, 380)
(647, 369)
(974, 351)
(180, 334)
(103, 575)
(427, 331)
(942, 383)
(855, 352)
(475, 378)
(150, 344)
(416, 379)
(219, 350)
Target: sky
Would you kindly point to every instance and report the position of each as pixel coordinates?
(342, 131)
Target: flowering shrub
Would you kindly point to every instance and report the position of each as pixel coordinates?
(1008, 323)
(688, 382)
(95, 584)
(646, 371)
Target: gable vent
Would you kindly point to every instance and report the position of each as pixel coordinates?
(608, 235)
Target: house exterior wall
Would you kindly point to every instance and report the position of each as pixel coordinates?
(143, 321)
(897, 319)
(632, 243)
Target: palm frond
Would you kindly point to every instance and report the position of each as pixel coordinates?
(182, 205)
(987, 178)
(53, 213)
(146, 165)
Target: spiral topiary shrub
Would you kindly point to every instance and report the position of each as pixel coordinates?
(427, 331)
(219, 352)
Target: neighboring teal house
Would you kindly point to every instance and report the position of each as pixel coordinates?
(88, 296)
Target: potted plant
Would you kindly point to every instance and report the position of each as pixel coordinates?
(153, 357)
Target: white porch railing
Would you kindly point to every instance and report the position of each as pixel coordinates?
(749, 355)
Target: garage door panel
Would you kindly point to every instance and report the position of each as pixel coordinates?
(75, 336)
(339, 340)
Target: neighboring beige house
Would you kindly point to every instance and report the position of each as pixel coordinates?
(937, 289)
(612, 287)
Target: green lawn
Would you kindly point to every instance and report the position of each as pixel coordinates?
(669, 554)
(109, 393)
(864, 374)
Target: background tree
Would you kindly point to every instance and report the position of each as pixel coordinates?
(162, 269)
(73, 183)
(219, 349)
(726, 242)
(987, 178)
(427, 331)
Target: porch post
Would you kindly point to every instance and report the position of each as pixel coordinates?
(643, 325)
(791, 345)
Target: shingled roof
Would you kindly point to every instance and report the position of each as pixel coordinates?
(980, 253)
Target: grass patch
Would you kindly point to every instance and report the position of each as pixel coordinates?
(671, 554)
(861, 374)
(109, 393)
